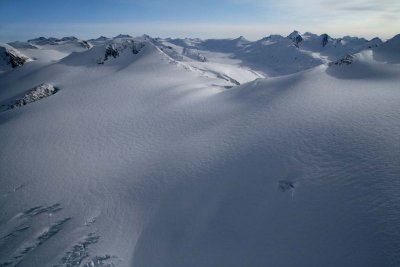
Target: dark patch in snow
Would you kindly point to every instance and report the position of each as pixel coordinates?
(15, 232)
(80, 252)
(111, 51)
(228, 79)
(105, 261)
(114, 50)
(15, 189)
(86, 44)
(40, 209)
(20, 253)
(41, 91)
(296, 38)
(53, 230)
(91, 221)
(194, 54)
(285, 185)
(325, 39)
(12, 57)
(346, 60)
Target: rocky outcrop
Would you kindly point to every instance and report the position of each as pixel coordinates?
(346, 60)
(113, 50)
(11, 57)
(41, 91)
(194, 54)
(296, 38)
(325, 39)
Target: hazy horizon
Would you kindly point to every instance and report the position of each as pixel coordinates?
(252, 19)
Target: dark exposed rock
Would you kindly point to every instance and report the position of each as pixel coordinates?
(325, 39)
(115, 49)
(285, 185)
(16, 60)
(346, 60)
(12, 57)
(35, 94)
(296, 38)
(111, 51)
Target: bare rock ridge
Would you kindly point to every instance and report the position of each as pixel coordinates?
(296, 38)
(346, 60)
(114, 49)
(41, 91)
(325, 39)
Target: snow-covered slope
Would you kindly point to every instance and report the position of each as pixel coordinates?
(146, 161)
(388, 51)
(52, 49)
(276, 55)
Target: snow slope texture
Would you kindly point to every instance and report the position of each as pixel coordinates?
(141, 162)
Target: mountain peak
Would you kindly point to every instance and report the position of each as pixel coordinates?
(69, 38)
(325, 39)
(293, 34)
(295, 37)
(123, 36)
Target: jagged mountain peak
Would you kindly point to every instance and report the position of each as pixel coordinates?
(325, 39)
(102, 38)
(123, 36)
(293, 34)
(11, 58)
(295, 37)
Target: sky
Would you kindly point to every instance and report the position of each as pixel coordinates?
(254, 19)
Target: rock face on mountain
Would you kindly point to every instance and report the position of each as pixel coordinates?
(296, 38)
(114, 49)
(11, 57)
(111, 51)
(325, 39)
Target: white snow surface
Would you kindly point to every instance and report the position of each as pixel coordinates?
(149, 160)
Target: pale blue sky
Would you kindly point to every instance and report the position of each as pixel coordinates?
(24, 19)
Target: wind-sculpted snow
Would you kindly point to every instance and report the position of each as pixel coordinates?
(150, 161)
(30, 246)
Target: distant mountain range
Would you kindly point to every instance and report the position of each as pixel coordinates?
(273, 55)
